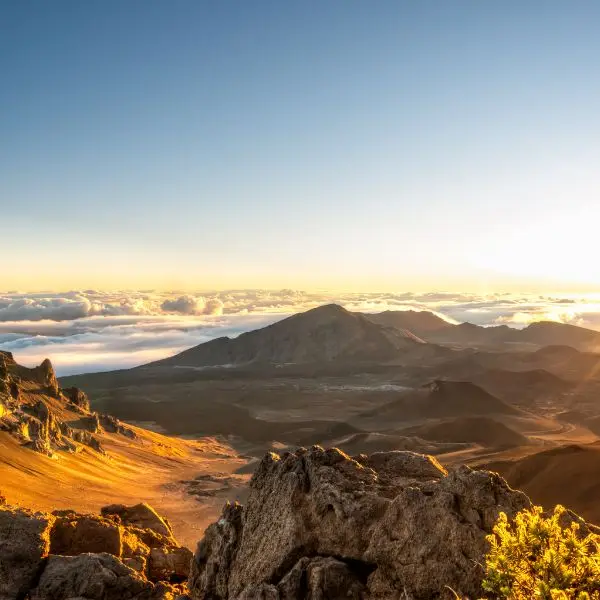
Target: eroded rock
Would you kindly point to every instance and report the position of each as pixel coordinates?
(77, 398)
(24, 546)
(323, 523)
(141, 515)
(95, 577)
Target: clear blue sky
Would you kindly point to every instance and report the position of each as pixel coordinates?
(342, 144)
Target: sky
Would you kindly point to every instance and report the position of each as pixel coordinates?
(342, 145)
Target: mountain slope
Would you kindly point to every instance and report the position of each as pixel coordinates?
(55, 453)
(420, 323)
(566, 475)
(323, 334)
(433, 329)
(479, 430)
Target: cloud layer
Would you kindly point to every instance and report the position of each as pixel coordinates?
(83, 331)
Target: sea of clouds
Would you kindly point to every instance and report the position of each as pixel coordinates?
(86, 331)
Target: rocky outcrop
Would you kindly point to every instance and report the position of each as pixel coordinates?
(77, 398)
(67, 555)
(24, 546)
(141, 515)
(33, 409)
(319, 524)
(113, 425)
(96, 577)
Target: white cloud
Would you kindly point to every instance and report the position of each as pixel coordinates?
(93, 330)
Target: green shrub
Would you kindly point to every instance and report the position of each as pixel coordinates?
(537, 557)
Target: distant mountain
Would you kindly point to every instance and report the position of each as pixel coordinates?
(479, 430)
(441, 400)
(522, 387)
(420, 323)
(566, 475)
(323, 334)
(431, 328)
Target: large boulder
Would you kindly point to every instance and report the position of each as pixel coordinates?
(95, 577)
(169, 564)
(24, 546)
(141, 515)
(381, 526)
(74, 534)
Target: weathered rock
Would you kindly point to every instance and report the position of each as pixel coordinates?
(15, 391)
(321, 578)
(95, 577)
(77, 398)
(45, 375)
(24, 546)
(113, 425)
(86, 438)
(141, 515)
(74, 534)
(392, 523)
(169, 564)
(214, 558)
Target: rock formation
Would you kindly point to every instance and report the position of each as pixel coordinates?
(66, 555)
(46, 418)
(319, 524)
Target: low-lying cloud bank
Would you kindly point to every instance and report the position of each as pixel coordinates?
(84, 331)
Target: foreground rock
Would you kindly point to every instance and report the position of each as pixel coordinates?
(67, 555)
(319, 524)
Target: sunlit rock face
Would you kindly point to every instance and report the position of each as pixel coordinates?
(319, 524)
(46, 418)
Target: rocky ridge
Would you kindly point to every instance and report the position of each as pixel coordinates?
(319, 524)
(127, 553)
(33, 408)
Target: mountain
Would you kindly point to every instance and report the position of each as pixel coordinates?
(324, 334)
(421, 323)
(438, 400)
(566, 475)
(478, 430)
(431, 328)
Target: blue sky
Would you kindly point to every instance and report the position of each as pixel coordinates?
(339, 144)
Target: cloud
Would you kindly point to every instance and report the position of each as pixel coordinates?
(91, 330)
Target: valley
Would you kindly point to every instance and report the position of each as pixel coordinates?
(474, 404)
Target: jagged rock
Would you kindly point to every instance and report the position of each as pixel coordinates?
(215, 555)
(141, 515)
(14, 390)
(24, 545)
(77, 398)
(86, 438)
(91, 423)
(169, 564)
(95, 577)
(321, 578)
(113, 425)
(74, 534)
(393, 522)
(46, 376)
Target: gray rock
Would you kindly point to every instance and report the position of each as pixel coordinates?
(94, 577)
(320, 522)
(24, 546)
(141, 515)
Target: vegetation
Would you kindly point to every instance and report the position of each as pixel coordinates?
(546, 558)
